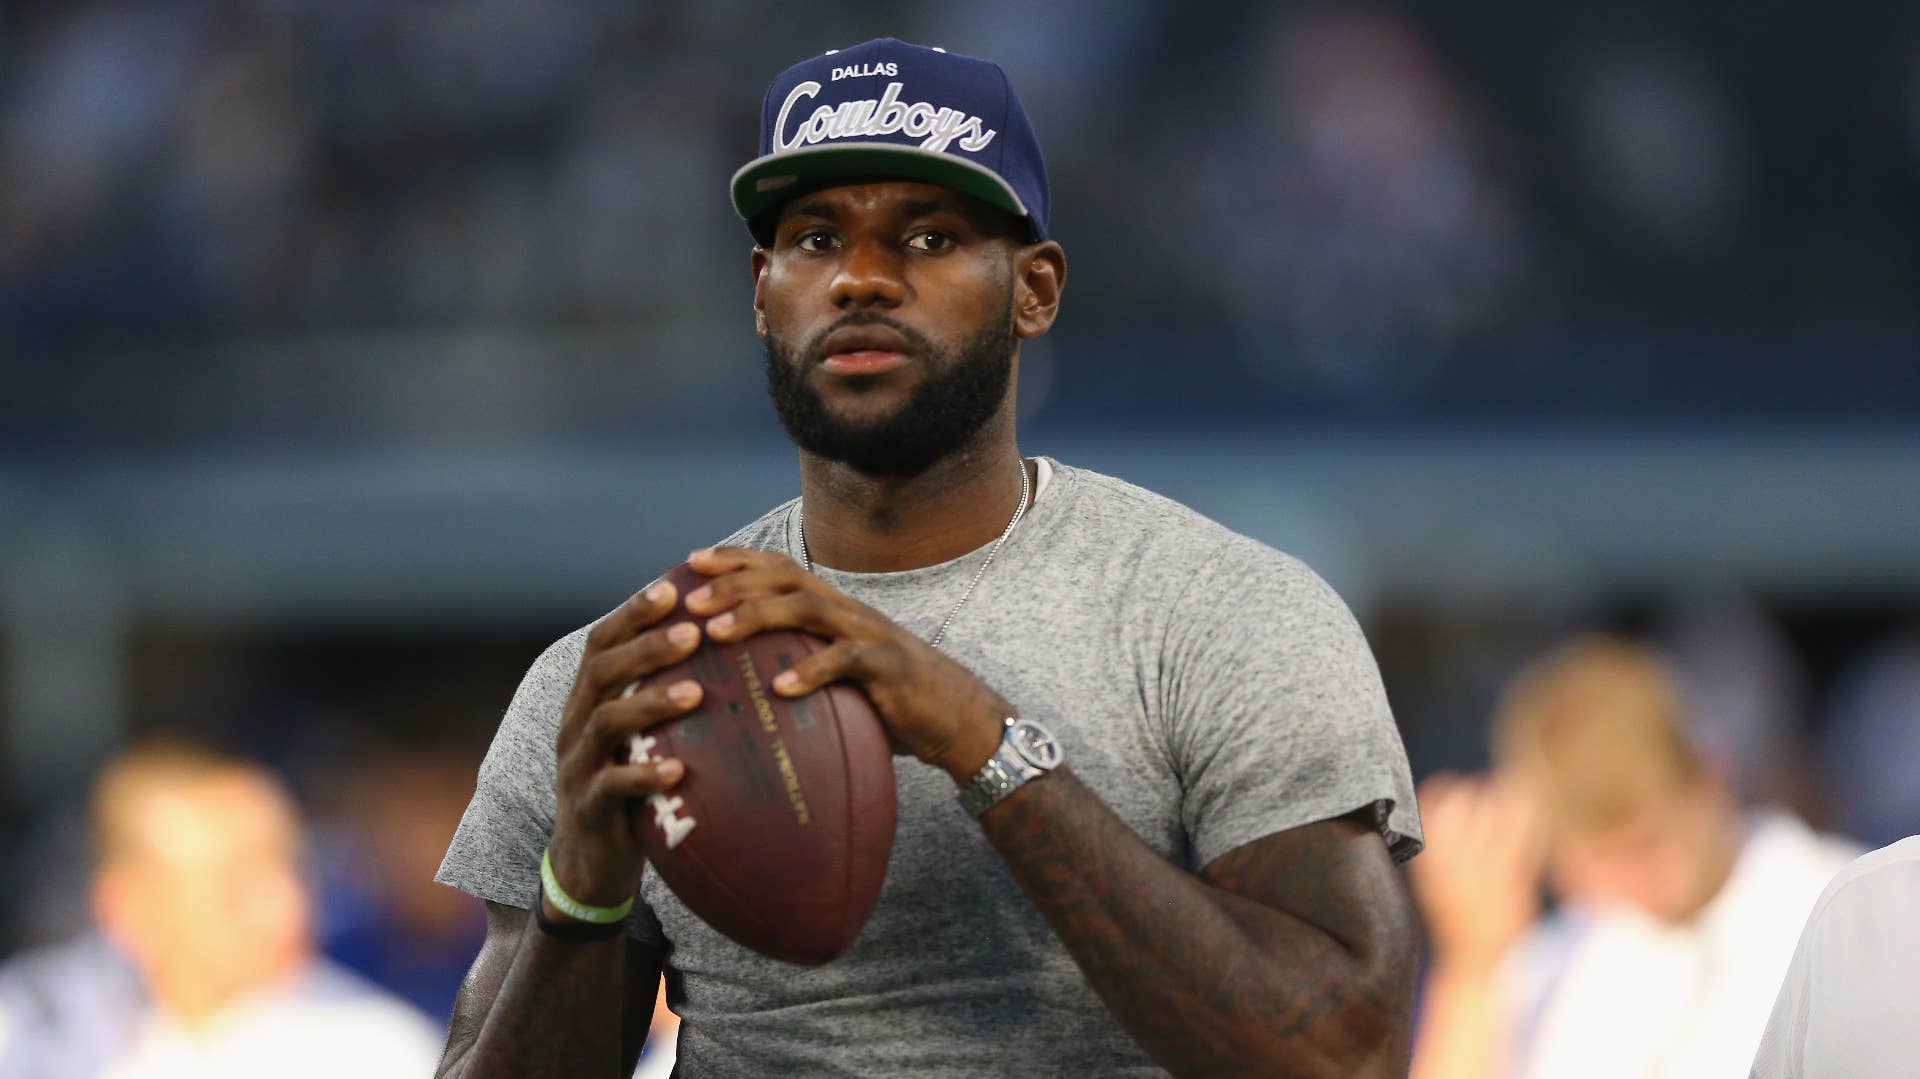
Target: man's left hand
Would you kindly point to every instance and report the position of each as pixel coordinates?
(934, 708)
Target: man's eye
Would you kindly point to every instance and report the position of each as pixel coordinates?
(930, 241)
(817, 240)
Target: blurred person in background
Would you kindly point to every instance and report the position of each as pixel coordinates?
(67, 1009)
(1747, 690)
(383, 915)
(1677, 910)
(205, 965)
(1851, 999)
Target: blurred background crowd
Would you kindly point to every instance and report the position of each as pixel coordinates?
(354, 351)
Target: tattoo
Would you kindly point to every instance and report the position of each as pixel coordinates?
(1291, 955)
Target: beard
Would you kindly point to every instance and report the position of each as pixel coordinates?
(940, 416)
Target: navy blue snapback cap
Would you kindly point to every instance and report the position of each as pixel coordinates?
(885, 109)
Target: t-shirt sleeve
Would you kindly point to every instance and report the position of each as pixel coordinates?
(1277, 715)
(495, 853)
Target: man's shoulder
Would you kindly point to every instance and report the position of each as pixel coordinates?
(66, 1008)
(87, 965)
(1123, 513)
(1130, 505)
(1900, 857)
(1890, 874)
(1163, 553)
(767, 532)
(328, 1005)
(326, 984)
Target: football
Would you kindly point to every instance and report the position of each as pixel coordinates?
(780, 831)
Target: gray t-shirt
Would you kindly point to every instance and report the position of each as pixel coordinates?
(1208, 688)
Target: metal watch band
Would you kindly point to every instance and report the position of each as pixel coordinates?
(1006, 771)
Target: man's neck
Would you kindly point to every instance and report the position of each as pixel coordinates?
(1717, 861)
(867, 524)
(197, 999)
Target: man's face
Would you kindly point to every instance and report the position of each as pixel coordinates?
(213, 896)
(888, 315)
(1664, 859)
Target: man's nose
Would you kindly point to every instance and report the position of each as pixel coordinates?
(870, 275)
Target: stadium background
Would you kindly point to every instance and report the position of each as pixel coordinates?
(354, 351)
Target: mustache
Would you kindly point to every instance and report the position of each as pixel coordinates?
(811, 351)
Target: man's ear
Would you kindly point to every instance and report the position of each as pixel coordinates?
(1040, 274)
(761, 260)
(113, 895)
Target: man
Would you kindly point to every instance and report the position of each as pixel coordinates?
(1205, 886)
(1851, 999)
(1677, 913)
(206, 964)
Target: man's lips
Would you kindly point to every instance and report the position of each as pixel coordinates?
(864, 350)
(863, 361)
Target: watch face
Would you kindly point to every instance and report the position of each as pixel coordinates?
(1035, 744)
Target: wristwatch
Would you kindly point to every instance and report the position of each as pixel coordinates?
(1027, 752)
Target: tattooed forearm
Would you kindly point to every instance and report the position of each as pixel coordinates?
(1293, 956)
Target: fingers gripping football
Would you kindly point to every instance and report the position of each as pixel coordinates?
(596, 851)
(856, 661)
(933, 706)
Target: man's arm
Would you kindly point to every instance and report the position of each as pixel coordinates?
(534, 1005)
(1291, 955)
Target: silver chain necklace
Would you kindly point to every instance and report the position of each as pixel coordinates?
(1019, 511)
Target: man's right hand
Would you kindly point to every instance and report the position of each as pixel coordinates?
(596, 849)
(1478, 880)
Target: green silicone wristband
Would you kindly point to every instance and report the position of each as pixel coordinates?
(573, 908)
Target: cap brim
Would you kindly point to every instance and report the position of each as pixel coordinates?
(764, 183)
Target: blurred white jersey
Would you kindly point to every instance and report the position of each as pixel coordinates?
(325, 1025)
(1851, 999)
(1617, 995)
